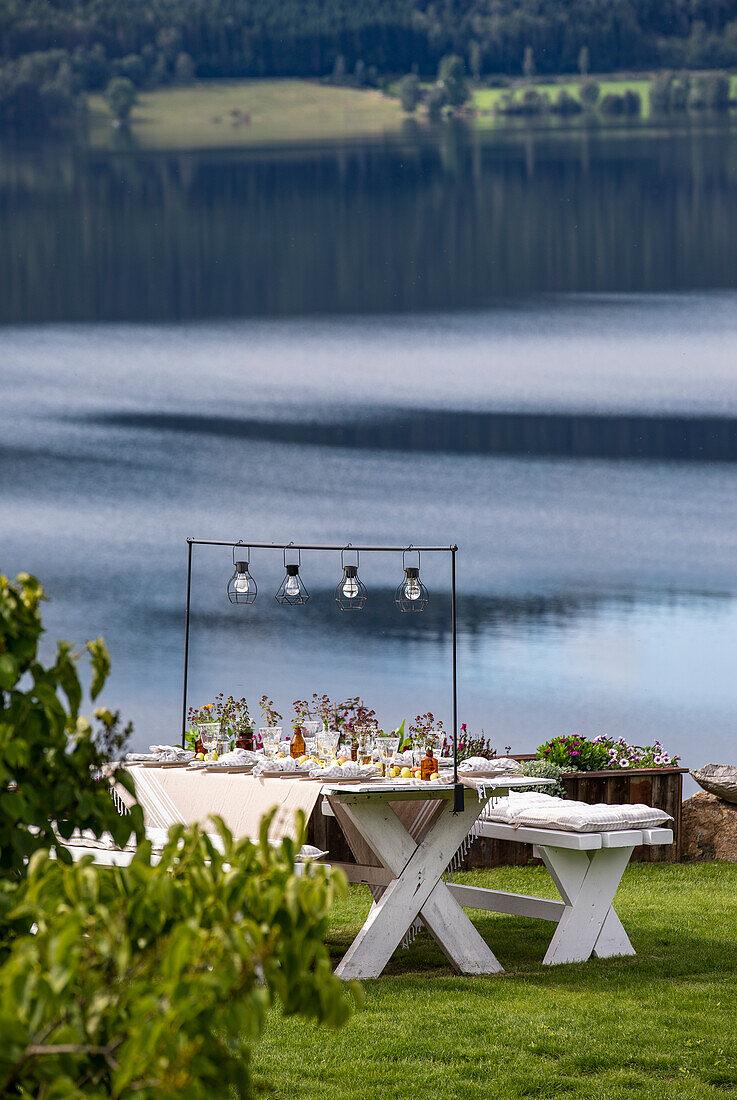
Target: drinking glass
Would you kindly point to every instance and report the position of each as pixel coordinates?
(388, 746)
(209, 733)
(365, 738)
(270, 739)
(327, 743)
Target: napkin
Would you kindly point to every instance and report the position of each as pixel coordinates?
(498, 765)
(239, 757)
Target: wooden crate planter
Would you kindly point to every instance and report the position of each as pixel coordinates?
(659, 787)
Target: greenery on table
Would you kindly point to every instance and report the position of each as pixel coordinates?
(659, 1024)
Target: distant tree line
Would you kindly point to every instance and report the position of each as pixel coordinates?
(155, 42)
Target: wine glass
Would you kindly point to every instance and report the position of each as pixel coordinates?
(311, 732)
(209, 733)
(270, 739)
(328, 743)
(388, 746)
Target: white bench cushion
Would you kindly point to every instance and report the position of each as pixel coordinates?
(541, 811)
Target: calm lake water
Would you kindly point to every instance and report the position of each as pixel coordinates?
(526, 345)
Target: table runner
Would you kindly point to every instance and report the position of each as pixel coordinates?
(177, 795)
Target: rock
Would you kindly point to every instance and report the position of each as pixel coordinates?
(708, 828)
(718, 779)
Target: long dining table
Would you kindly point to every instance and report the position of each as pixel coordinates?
(404, 837)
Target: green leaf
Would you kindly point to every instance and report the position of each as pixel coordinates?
(8, 671)
(100, 665)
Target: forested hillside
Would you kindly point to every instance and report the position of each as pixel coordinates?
(305, 37)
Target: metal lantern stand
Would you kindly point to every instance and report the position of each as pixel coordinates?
(285, 548)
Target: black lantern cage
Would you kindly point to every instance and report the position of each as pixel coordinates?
(350, 592)
(292, 590)
(411, 595)
(242, 588)
(294, 594)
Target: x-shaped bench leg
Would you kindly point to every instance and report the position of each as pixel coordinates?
(587, 882)
(416, 889)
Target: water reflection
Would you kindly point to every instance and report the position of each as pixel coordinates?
(431, 224)
(501, 433)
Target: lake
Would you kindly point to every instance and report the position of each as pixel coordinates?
(522, 343)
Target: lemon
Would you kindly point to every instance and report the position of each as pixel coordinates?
(434, 776)
(406, 773)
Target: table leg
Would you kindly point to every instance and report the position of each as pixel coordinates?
(417, 889)
(587, 882)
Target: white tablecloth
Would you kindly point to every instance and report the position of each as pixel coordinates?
(178, 795)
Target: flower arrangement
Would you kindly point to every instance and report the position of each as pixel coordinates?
(270, 715)
(575, 752)
(427, 730)
(469, 746)
(602, 753)
(346, 715)
(232, 715)
(623, 755)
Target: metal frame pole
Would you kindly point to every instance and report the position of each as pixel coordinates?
(186, 639)
(458, 788)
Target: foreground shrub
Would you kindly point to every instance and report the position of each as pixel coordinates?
(50, 756)
(153, 980)
(150, 980)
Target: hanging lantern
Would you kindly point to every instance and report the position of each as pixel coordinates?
(292, 590)
(350, 594)
(411, 595)
(242, 587)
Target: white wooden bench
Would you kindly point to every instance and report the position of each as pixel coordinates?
(586, 869)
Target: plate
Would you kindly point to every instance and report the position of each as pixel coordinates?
(165, 764)
(230, 769)
(344, 779)
(486, 775)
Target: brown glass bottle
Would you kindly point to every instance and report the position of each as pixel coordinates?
(297, 748)
(354, 749)
(198, 746)
(245, 741)
(428, 765)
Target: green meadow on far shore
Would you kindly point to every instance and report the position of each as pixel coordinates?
(486, 99)
(232, 113)
(659, 1024)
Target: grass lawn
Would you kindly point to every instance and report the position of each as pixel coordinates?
(661, 1024)
(199, 116)
(485, 99)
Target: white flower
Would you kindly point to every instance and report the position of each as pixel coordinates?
(624, 762)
